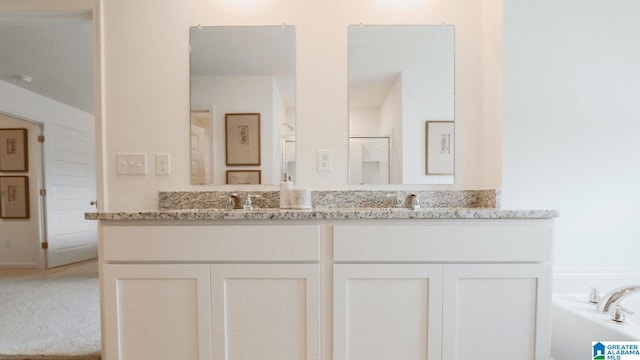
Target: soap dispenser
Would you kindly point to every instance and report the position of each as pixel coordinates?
(285, 193)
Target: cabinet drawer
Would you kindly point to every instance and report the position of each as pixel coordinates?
(211, 243)
(473, 241)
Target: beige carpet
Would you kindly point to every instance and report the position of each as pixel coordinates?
(50, 312)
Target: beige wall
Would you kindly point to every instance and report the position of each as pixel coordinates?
(20, 238)
(146, 81)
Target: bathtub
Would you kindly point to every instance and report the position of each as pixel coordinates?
(575, 324)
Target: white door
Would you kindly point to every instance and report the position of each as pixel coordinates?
(265, 311)
(497, 311)
(157, 312)
(387, 311)
(70, 182)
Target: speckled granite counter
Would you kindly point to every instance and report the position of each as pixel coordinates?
(324, 199)
(328, 214)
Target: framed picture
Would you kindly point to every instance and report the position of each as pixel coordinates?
(14, 197)
(242, 139)
(440, 148)
(14, 150)
(244, 177)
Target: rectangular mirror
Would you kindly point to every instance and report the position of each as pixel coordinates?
(401, 104)
(242, 104)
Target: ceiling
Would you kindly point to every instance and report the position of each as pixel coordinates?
(55, 49)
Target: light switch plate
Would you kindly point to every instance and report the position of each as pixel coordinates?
(163, 164)
(131, 164)
(325, 161)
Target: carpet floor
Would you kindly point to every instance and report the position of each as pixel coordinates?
(50, 315)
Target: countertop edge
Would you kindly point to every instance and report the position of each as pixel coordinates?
(323, 214)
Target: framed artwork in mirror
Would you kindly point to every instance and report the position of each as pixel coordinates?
(440, 146)
(14, 197)
(242, 135)
(14, 150)
(245, 177)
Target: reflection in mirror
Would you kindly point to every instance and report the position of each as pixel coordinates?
(242, 71)
(401, 78)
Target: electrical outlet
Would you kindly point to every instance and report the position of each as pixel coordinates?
(131, 164)
(163, 165)
(324, 161)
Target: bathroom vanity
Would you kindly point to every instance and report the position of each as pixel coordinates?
(326, 284)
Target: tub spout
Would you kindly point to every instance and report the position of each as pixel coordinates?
(613, 297)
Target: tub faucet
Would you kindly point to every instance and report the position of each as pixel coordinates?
(611, 299)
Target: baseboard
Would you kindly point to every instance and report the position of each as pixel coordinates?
(581, 280)
(18, 266)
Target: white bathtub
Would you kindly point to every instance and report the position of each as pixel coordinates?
(575, 324)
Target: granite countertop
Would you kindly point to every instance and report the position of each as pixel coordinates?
(327, 214)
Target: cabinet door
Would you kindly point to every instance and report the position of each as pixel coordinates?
(157, 312)
(387, 312)
(265, 311)
(497, 311)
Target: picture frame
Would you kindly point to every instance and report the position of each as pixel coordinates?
(14, 150)
(242, 137)
(245, 177)
(440, 147)
(14, 197)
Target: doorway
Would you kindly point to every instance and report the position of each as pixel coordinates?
(70, 113)
(49, 74)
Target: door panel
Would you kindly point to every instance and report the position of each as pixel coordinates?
(70, 181)
(157, 312)
(387, 311)
(265, 311)
(497, 309)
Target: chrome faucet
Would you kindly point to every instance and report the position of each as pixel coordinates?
(248, 204)
(611, 299)
(413, 202)
(231, 201)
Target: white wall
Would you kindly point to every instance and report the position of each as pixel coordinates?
(391, 115)
(277, 131)
(571, 129)
(146, 82)
(365, 122)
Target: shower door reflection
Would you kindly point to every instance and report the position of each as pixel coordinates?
(369, 160)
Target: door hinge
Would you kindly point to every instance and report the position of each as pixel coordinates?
(41, 138)
(43, 192)
(45, 245)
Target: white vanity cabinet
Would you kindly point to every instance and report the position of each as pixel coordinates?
(457, 289)
(211, 292)
(387, 311)
(327, 289)
(156, 311)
